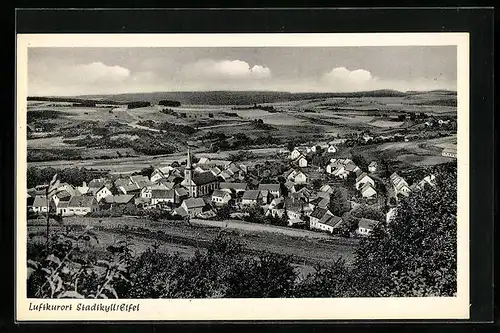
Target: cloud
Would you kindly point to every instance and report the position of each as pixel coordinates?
(99, 72)
(225, 69)
(342, 74)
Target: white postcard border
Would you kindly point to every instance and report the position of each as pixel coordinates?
(251, 309)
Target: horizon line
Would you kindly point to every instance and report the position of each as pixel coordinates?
(254, 91)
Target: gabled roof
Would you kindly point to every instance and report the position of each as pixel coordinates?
(181, 191)
(361, 176)
(121, 182)
(236, 186)
(215, 170)
(366, 186)
(326, 188)
(372, 164)
(351, 166)
(319, 212)
(96, 182)
(204, 178)
(219, 194)
(63, 195)
(251, 195)
(194, 203)
(81, 201)
(269, 187)
(234, 168)
(40, 201)
(162, 194)
(119, 199)
(225, 174)
(367, 223)
(331, 220)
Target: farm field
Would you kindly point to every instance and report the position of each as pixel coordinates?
(416, 153)
(184, 238)
(312, 120)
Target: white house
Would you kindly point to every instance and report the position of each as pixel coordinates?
(102, 193)
(298, 151)
(323, 220)
(400, 185)
(220, 197)
(332, 149)
(162, 196)
(366, 226)
(372, 167)
(300, 161)
(367, 191)
(40, 204)
(449, 152)
(362, 179)
(193, 206)
(81, 205)
(296, 176)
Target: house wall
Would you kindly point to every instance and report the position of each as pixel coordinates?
(42, 209)
(363, 231)
(155, 201)
(315, 224)
(302, 162)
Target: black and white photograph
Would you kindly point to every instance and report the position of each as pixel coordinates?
(275, 172)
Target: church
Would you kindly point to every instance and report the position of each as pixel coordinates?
(198, 184)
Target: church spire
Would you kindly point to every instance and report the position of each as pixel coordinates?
(188, 163)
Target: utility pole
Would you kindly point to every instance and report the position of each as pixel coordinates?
(48, 220)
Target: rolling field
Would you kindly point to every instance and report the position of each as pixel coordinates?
(312, 120)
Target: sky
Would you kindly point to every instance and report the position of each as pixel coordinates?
(76, 71)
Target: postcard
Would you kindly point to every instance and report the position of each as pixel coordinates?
(187, 177)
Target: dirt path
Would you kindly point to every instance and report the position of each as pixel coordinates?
(254, 227)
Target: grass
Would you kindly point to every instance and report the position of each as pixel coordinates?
(179, 236)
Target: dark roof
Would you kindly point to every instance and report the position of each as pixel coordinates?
(269, 187)
(81, 201)
(331, 220)
(361, 176)
(40, 201)
(350, 166)
(204, 178)
(181, 191)
(163, 194)
(318, 213)
(219, 193)
(251, 195)
(96, 183)
(237, 186)
(367, 223)
(194, 202)
(119, 199)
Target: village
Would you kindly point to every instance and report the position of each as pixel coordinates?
(310, 187)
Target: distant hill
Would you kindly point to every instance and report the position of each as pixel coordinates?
(223, 97)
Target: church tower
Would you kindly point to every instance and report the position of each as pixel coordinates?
(188, 175)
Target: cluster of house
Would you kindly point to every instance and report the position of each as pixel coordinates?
(401, 187)
(449, 152)
(299, 155)
(196, 189)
